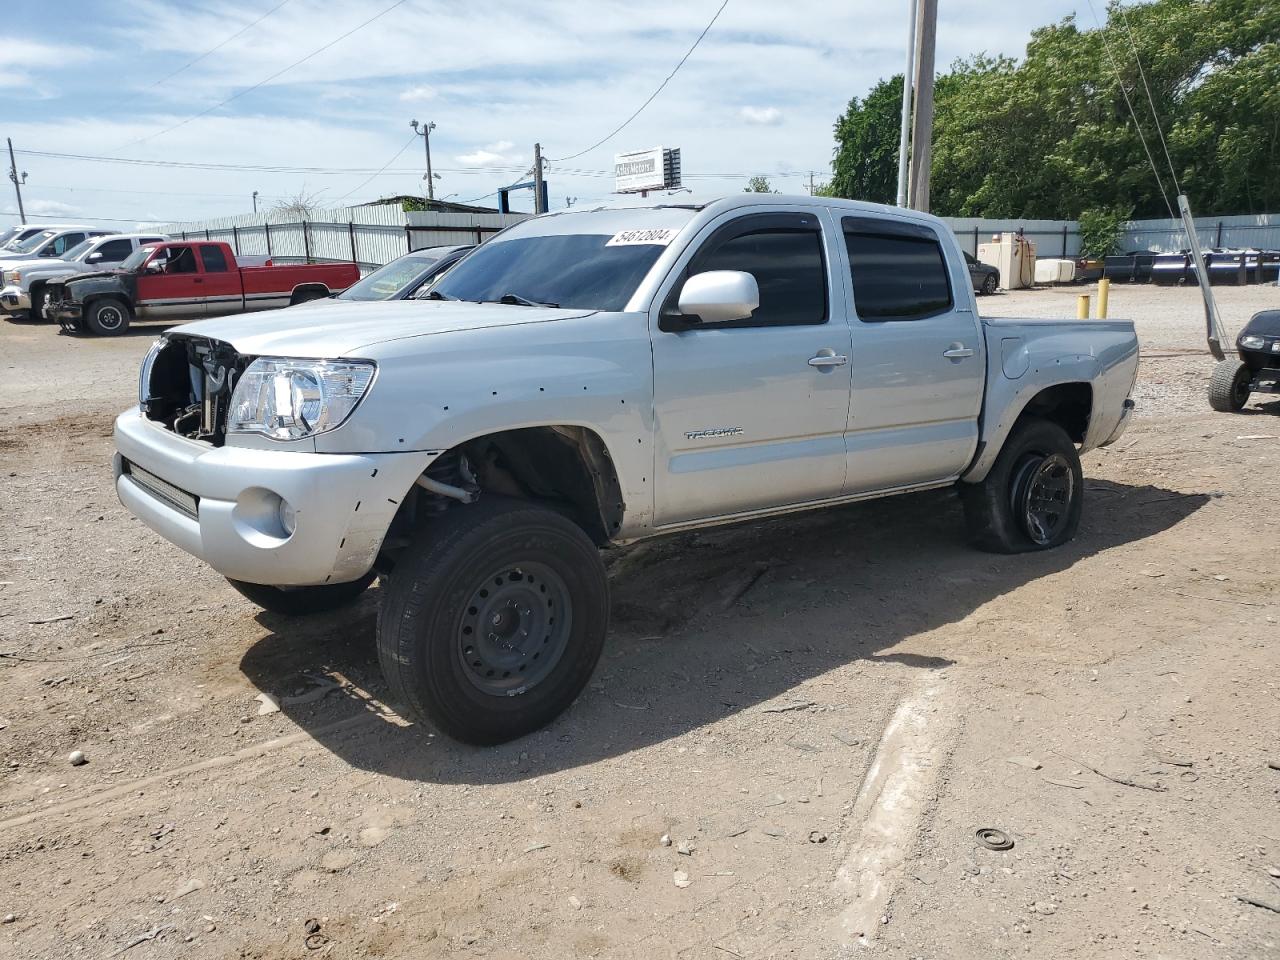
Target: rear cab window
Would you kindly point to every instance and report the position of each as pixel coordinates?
(215, 261)
(899, 270)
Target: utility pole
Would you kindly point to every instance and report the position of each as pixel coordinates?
(811, 183)
(17, 182)
(537, 179)
(922, 127)
(904, 131)
(425, 133)
(255, 201)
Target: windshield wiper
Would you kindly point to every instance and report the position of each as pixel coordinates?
(515, 300)
(436, 295)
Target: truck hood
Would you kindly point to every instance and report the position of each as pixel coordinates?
(343, 329)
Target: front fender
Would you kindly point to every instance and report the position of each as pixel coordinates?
(82, 289)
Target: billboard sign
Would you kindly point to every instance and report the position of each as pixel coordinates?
(639, 170)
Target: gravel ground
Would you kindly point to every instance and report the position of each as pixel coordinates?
(1111, 705)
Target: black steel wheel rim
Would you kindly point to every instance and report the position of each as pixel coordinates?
(514, 629)
(1241, 386)
(1043, 490)
(109, 317)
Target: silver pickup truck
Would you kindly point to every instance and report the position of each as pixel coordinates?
(595, 377)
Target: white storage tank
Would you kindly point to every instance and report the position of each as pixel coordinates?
(1052, 270)
(1014, 256)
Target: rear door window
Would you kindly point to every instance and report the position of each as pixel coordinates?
(215, 261)
(899, 270)
(113, 251)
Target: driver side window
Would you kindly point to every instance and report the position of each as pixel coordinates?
(783, 251)
(181, 260)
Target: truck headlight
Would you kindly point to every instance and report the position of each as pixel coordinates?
(13, 276)
(289, 399)
(1251, 342)
(144, 373)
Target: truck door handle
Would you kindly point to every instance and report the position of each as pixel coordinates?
(828, 358)
(957, 351)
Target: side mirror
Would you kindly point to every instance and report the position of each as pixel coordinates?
(155, 266)
(719, 296)
(93, 257)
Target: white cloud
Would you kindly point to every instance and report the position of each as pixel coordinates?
(418, 93)
(492, 155)
(761, 116)
(24, 64)
(52, 208)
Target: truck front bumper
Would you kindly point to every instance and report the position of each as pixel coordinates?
(13, 299)
(224, 504)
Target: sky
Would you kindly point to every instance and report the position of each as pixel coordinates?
(201, 82)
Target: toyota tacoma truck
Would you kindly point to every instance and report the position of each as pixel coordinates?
(187, 279)
(590, 378)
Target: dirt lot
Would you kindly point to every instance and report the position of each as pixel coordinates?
(820, 750)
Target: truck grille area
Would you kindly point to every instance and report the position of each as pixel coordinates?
(163, 490)
(189, 386)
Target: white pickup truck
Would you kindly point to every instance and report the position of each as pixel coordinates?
(595, 377)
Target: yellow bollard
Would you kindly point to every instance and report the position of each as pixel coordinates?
(1082, 307)
(1104, 291)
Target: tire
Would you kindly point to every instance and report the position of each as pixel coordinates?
(493, 564)
(303, 601)
(1229, 386)
(108, 317)
(989, 284)
(306, 296)
(1033, 496)
(39, 296)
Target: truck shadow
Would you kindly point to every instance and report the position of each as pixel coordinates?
(708, 624)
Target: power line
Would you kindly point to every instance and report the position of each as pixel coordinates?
(278, 73)
(1151, 100)
(383, 167)
(622, 126)
(1115, 68)
(238, 33)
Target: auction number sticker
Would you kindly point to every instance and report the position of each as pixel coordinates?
(629, 238)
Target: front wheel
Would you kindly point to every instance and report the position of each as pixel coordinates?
(989, 284)
(107, 317)
(303, 601)
(494, 620)
(1229, 386)
(1033, 496)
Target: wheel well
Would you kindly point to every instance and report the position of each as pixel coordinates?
(568, 468)
(1069, 405)
(311, 291)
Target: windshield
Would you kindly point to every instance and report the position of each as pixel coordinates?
(32, 242)
(582, 271)
(134, 260)
(387, 281)
(79, 250)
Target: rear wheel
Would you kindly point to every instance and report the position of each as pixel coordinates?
(493, 622)
(302, 601)
(1033, 496)
(107, 317)
(1229, 386)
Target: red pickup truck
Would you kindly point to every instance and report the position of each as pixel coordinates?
(188, 279)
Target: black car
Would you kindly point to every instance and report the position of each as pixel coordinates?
(1257, 370)
(985, 278)
(405, 276)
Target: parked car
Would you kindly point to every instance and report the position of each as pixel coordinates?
(10, 237)
(602, 376)
(404, 277)
(23, 286)
(1255, 369)
(47, 244)
(984, 277)
(187, 279)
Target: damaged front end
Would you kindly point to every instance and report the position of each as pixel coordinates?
(186, 385)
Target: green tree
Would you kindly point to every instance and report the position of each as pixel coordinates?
(1051, 135)
(866, 157)
(758, 185)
